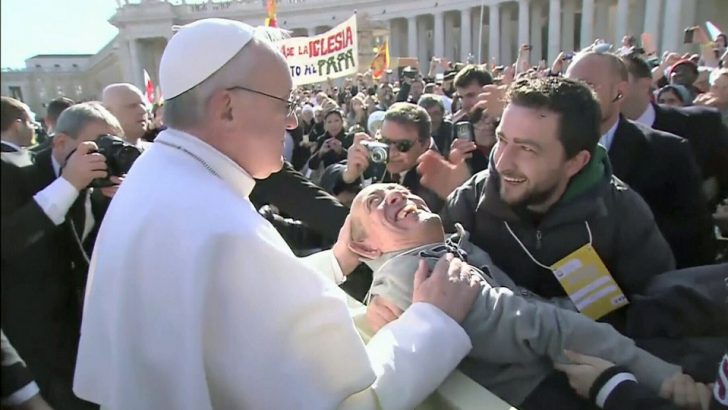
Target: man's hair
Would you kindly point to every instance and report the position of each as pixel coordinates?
(189, 108)
(56, 107)
(429, 88)
(74, 119)
(470, 74)
(411, 115)
(428, 101)
(637, 66)
(11, 110)
(574, 101)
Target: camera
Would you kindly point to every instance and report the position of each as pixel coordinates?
(689, 35)
(120, 156)
(464, 130)
(378, 152)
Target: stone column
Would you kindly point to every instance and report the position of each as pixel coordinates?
(438, 34)
(601, 23)
(466, 33)
(622, 20)
(412, 36)
(536, 36)
(554, 30)
(137, 76)
(567, 29)
(653, 11)
(450, 42)
(523, 23)
(587, 23)
(506, 52)
(672, 32)
(494, 34)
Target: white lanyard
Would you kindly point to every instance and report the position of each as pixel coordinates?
(529, 253)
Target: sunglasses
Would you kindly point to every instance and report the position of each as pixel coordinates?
(402, 146)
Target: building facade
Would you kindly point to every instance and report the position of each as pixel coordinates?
(484, 30)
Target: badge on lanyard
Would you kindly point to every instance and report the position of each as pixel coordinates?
(588, 283)
(586, 280)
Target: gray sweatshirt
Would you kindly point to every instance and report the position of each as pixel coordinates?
(516, 335)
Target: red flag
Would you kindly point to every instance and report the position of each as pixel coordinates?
(148, 87)
(271, 7)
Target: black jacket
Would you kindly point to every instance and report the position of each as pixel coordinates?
(624, 233)
(44, 270)
(297, 197)
(662, 169)
(708, 136)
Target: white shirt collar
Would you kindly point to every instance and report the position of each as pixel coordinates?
(648, 117)
(606, 139)
(219, 163)
(56, 165)
(11, 144)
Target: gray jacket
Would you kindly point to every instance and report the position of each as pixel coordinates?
(516, 335)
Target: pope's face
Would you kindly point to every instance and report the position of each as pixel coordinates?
(260, 121)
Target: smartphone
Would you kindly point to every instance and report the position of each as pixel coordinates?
(464, 130)
(688, 35)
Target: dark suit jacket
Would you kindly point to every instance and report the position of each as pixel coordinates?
(707, 134)
(297, 197)
(662, 169)
(44, 268)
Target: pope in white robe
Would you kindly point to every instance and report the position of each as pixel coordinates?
(196, 302)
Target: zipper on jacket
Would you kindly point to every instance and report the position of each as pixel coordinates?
(538, 239)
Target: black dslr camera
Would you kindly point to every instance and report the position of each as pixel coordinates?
(120, 156)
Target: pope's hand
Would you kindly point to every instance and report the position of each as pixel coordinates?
(348, 260)
(452, 287)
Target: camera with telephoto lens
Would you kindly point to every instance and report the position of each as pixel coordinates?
(378, 152)
(120, 156)
(464, 130)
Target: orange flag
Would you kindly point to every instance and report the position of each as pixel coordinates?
(380, 64)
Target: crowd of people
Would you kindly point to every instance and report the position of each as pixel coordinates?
(471, 192)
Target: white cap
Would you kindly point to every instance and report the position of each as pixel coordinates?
(197, 51)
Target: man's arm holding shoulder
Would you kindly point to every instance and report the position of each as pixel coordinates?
(303, 322)
(641, 251)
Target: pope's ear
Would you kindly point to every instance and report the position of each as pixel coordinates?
(361, 249)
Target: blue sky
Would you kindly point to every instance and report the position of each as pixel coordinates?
(31, 27)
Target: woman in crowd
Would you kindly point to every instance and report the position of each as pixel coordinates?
(357, 114)
(673, 95)
(332, 145)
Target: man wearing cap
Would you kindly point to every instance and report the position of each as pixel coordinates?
(684, 73)
(200, 304)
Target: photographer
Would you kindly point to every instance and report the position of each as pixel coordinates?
(331, 146)
(49, 220)
(405, 135)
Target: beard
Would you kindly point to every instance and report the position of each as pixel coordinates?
(527, 196)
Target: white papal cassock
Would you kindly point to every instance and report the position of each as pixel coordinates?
(195, 302)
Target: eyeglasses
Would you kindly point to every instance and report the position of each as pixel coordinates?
(290, 102)
(402, 146)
